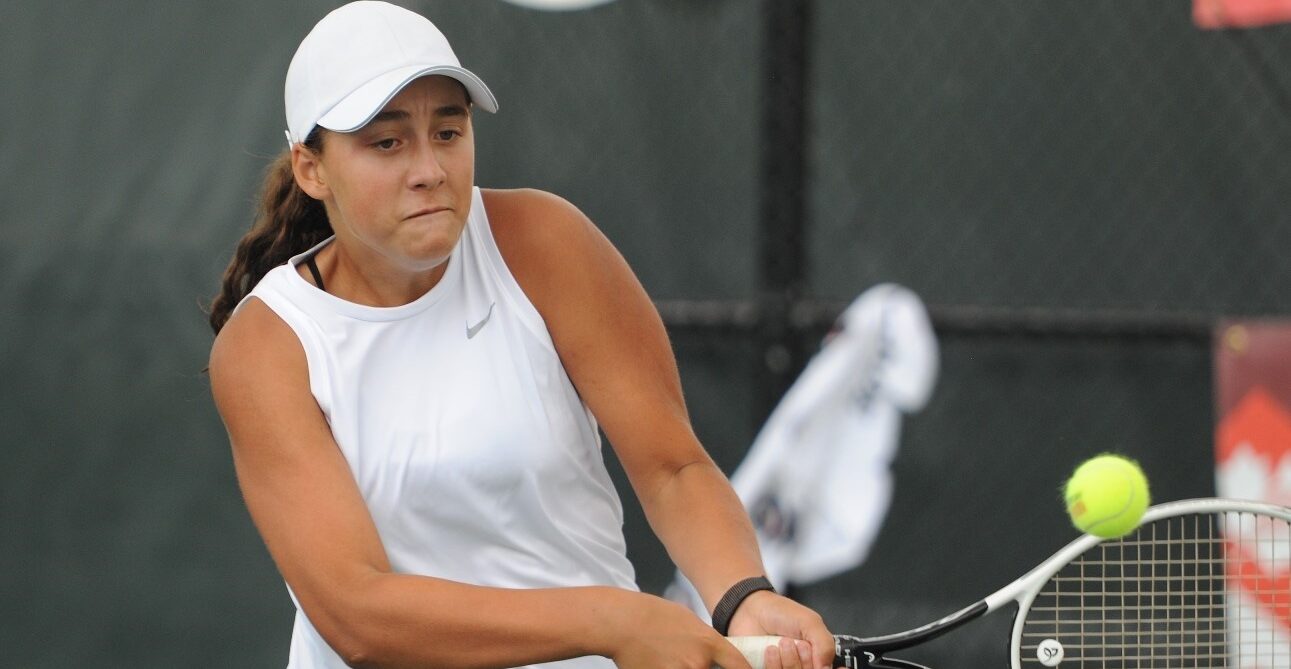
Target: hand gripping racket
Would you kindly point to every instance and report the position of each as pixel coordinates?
(1200, 583)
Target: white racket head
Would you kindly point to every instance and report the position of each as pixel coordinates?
(1200, 583)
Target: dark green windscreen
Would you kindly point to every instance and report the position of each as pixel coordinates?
(1065, 154)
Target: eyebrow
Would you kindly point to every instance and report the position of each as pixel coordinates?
(400, 115)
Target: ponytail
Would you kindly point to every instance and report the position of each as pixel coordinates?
(288, 222)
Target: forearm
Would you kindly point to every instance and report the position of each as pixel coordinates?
(703, 525)
(396, 620)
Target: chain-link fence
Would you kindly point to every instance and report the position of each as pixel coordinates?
(1084, 155)
(1079, 190)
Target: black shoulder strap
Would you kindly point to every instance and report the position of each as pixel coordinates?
(313, 269)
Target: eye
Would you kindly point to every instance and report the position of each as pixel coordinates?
(385, 144)
(447, 135)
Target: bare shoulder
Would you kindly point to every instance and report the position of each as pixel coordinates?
(255, 343)
(547, 243)
(526, 219)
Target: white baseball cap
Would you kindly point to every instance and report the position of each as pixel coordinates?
(359, 57)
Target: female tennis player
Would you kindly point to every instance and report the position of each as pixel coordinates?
(412, 371)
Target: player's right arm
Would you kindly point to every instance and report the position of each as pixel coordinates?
(308, 509)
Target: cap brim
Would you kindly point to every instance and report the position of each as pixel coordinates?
(357, 108)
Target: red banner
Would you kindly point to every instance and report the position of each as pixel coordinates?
(1213, 14)
(1253, 403)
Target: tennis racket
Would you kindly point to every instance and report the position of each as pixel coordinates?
(1200, 583)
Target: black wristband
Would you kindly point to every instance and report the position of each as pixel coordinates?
(726, 606)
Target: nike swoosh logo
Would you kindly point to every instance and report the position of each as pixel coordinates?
(473, 330)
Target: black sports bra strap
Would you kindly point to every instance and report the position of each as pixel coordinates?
(313, 269)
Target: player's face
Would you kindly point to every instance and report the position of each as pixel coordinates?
(398, 190)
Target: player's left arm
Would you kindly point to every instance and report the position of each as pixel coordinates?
(613, 345)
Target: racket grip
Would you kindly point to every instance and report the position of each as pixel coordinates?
(753, 647)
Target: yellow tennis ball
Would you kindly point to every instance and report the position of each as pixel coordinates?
(1107, 496)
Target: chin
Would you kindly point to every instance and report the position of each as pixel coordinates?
(432, 243)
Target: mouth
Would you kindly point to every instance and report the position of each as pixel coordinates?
(429, 211)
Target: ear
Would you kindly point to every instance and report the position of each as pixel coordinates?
(308, 170)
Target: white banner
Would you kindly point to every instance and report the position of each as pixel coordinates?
(817, 479)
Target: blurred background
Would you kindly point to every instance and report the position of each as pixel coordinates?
(1078, 189)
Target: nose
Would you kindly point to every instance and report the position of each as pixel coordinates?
(426, 171)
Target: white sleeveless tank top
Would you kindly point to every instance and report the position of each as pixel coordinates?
(477, 459)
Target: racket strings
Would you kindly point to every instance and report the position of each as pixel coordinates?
(1200, 590)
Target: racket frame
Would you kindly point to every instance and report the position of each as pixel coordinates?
(1024, 590)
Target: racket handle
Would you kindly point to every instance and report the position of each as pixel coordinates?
(753, 647)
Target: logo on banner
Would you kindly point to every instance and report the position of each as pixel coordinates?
(1254, 462)
(1254, 443)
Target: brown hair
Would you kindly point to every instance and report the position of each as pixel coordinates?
(288, 222)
